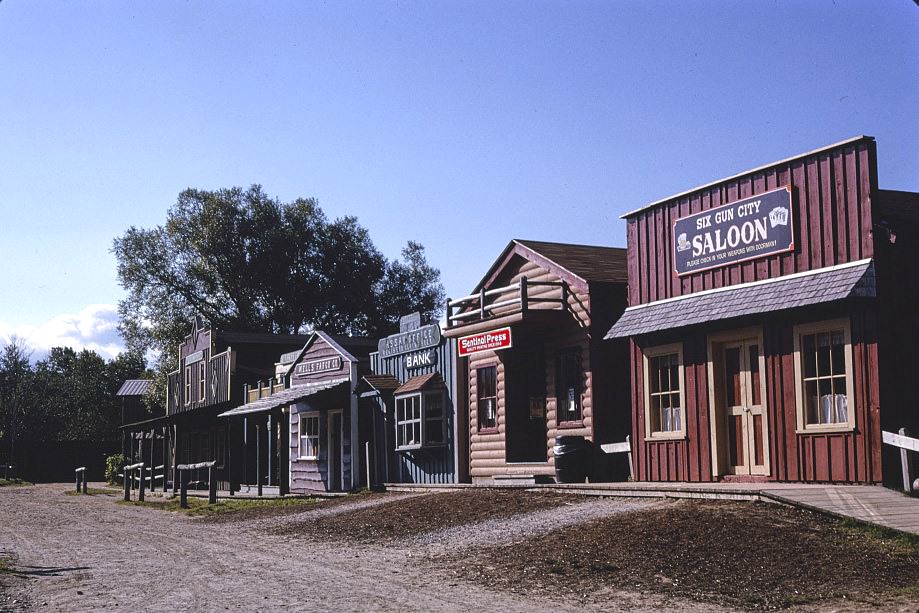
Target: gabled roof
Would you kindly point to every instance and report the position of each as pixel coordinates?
(422, 382)
(290, 359)
(134, 387)
(850, 280)
(576, 264)
(376, 383)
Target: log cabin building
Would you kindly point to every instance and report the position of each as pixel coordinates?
(772, 322)
(412, 396)
(310, 412)
(530, 341)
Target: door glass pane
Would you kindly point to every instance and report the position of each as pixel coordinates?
(732, 376)
(755, 391)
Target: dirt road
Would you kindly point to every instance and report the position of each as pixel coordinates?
(76, 553)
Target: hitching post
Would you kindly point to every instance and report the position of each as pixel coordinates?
(140, 490)
(77, 471)
(85, 491)
(905, 461)
(183, 490)
(211, 485)
(127, 484)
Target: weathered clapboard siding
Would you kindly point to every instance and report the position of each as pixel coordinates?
(319, 351)
(832, 202)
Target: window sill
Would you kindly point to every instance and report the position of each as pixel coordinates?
(310, 458)
(665, 436)
(487, 431)
(570, 425)
(827, 429)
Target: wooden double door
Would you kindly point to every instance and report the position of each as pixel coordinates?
(742, 431)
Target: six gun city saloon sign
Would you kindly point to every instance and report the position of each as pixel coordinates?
(743, 230)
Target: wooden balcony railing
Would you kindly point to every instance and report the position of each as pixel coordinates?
(512, 298)
(262, 389)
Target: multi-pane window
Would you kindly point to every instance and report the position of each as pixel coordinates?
(202, 379)
(309, 436)
(487, 397)
(824, 374)
(568, 386)
(188, 385)
(408, 421)
(433, 418)
(420, 419)
(663, 392)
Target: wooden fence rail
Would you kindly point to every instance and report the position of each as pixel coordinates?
(129, 476)
(906, 444)
(625, 447)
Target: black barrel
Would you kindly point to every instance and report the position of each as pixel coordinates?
(571, 458)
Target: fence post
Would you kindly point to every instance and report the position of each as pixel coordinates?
(85, 479)
(127, 484)
(140, 490)
(183, 490)
(211, 485)
(77, 471)
(906, 464)
(628, 439)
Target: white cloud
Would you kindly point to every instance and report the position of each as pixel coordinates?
(95, 328)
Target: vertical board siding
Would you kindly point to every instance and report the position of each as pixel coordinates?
(435, 465)
(832, 210)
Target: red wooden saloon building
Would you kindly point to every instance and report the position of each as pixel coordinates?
(530, 343)
(772, 322)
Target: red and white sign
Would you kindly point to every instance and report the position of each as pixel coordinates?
(485, 341)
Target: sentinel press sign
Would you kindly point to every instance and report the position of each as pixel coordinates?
(743, 230)
(485, 341)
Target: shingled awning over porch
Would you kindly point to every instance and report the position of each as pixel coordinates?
(284, 398)
(853, 279)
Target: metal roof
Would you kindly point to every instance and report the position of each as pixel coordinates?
(854, 279)
(284, 398)
(134, 387)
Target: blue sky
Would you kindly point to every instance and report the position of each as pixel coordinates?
(458, 124)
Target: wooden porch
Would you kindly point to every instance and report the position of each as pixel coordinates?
(867, 503)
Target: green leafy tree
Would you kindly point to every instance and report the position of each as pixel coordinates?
(16, 393)
(247, 262)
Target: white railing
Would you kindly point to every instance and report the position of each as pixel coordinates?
(477, 306)
(906, 444)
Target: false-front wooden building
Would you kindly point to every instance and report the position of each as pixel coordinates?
(213, 368)
(772, 322)
(310, 409)
(530, 339)
(412, 399)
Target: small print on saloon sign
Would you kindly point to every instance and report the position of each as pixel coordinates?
(750, 228)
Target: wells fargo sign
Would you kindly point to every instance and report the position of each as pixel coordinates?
(493, 340)
(750, 228)
(317, 366)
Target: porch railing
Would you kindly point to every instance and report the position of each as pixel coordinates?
(262, 389)
(906, 444)
(498, 301)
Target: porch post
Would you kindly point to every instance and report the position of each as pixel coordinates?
(284, 453)
(165, 456)
(270, 446)
(258, 457)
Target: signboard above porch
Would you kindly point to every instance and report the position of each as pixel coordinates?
(485, 341)
(736, 232)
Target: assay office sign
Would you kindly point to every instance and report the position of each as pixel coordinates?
(743, 230)
(418, 339)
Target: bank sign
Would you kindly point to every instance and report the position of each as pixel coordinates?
(494, 340)
(750, 228)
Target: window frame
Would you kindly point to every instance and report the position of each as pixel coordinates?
(202, 380)
(576, 352)
(301, 417)
(480, 429)
(647, 355)
(801, 330)
(187, 384)
(423, 419)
